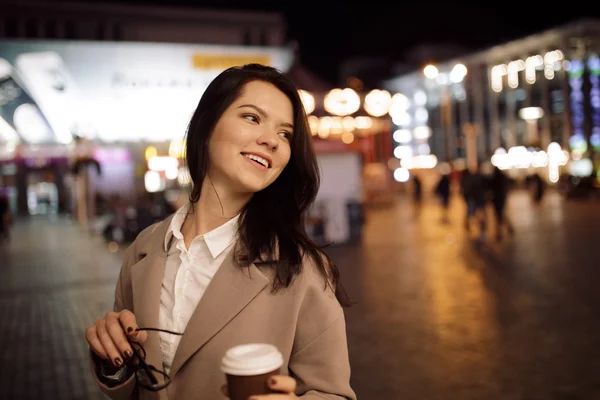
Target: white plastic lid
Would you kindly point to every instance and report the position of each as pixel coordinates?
(251, 359)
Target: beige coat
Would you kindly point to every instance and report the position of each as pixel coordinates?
(304, 321)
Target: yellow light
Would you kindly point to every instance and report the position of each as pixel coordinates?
(347, 137)
(150, 152)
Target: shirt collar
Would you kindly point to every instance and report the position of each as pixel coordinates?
(216, 240)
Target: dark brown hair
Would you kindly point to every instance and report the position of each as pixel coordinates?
(273, 221)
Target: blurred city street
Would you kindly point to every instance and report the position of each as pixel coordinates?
(438, 315)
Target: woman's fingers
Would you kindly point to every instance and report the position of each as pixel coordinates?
(95, 344)
(107, 343)
(283, 384)
(129, 325)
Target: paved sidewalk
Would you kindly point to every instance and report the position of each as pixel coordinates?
(438, 317)
(58, 280)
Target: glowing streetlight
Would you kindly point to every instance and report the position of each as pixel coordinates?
(431, 71)
(458, 73)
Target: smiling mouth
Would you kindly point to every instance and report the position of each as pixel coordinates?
(258, 160)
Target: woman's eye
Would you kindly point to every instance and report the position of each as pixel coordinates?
(251, 117)
(286, 135)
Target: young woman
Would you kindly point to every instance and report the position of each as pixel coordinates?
(233, 266)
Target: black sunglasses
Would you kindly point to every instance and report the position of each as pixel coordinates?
(146, 375)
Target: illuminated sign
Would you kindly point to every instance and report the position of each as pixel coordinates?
(224, 61)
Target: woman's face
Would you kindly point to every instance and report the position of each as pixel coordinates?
(251, 143)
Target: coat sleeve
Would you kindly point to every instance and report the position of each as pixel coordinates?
(127, 389)
(319, 361)
(322, 368)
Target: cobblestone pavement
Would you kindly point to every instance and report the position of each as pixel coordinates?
(438, 315)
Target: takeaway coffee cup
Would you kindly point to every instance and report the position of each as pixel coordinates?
(247, 368)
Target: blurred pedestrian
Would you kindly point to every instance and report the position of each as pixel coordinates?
(499, 186)
(475, 187)
(234, 265)
(443, 191)
(538, 188)
(417, 190)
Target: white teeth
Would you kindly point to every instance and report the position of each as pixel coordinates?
(258, 159)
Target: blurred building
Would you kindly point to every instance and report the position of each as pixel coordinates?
(95, 98)
(117, 22)
(510, 102)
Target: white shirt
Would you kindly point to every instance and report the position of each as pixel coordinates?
(187, 275)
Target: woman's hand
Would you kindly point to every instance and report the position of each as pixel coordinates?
(285, 386)
(108, 337)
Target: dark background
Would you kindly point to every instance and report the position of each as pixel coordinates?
(329, 32)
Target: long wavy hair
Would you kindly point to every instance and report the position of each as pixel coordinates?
(272, 223)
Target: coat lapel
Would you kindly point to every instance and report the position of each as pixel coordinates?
(146, 280)
(230, 290)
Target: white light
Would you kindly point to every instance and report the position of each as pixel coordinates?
(171, 173)
(153, 182)
(550, 57)
(556, 158)
(364, 122)
(400, 104)
(442, 79)
(378, 102)
(496, 75)
(559, 54)
(403, 120)
(530, 74)
(583, 167)
(348, 123)
(431, 71)
(500, 69)
(421, 115)
(337, 125)
(401, 175)
(549, 72)
(342, 102)
(422, 132)
(402, 136)
(420, 98)
(427, 161)
(423, 149)
(531, 113)
(513, 79)
(534, 62)
(458, 73)
(308, 101)
(403, 152)
(162, 163)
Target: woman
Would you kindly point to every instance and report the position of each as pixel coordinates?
(235, 265)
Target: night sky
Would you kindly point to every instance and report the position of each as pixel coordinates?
(330, 31)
